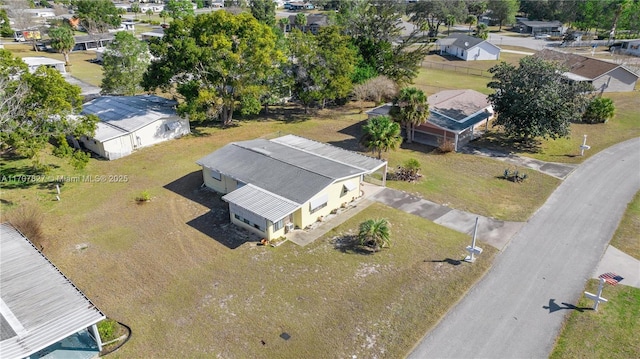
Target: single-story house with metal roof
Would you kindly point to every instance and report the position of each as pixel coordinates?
(131, 122)
(630, 47)
(605, 76)
(41, 312)
(92, 42)
(275, 186)
(468, 48)
(539, 27)
(454, 115)
(34, 62)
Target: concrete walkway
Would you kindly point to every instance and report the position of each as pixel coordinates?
(517, 52)
(492, 231)
(622, 264)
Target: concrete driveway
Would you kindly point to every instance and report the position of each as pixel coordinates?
(508, 314)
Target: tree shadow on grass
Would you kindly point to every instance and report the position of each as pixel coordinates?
(350, 244)
(499, 141)
(453, 262)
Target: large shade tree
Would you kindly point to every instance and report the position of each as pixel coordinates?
(411, 109)
(503, 10)
(97, 16)
(216, 62)
(381, 134)
(36, 107)
(534, 100)
(124, 63)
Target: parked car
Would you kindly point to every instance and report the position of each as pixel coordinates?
(542, 36)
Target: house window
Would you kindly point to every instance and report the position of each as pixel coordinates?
(248, 222)
(216, 175)
(347, 187)
(277, 225)
(318, 203)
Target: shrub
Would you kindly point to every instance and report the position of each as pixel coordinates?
(375, 233)
(107, 329)
(599, 110)
(412, 166)
(144, 196)
(28, 220)
(63, 149)
(79, 159)
(154, 22)
(446, 146)
(514, 176)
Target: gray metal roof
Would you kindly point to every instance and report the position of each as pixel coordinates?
(38, 302)
(130, 113)
(364, 163)
(461, 40)
(94, 38)
(290, 166)
(261, 202)
(535, 23)
(273, 175)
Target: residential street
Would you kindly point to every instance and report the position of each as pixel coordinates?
(514, 311)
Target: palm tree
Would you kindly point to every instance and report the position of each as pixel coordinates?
(283, 22)
(375, 233)
(482, 31)
(301, 21)
(381, 134)
(149, 12)
(164, 14)
(411, 109)
(450, 20)
(135, 9)
(471, 20)
(62, 40)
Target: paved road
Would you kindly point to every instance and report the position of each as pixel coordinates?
(515, 311)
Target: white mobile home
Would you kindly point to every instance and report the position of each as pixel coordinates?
(131, 122)
(468, 48)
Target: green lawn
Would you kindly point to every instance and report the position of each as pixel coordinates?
(626, 237)
(611, 332)
(184, 293)
(81, 66)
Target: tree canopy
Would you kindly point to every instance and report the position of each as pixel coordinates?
(97, 16)
(534, 100)
(380, 134)
(34, 107)
(503, 10)
(124, 63)
(264, 11)
(62, 41)
(178, 9)
(599, 110)
(217, 61)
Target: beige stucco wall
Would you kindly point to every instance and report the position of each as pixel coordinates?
(224, 185)
(334, 202)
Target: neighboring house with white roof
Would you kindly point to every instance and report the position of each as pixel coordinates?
(468, 48)
(274, 186)
(605, 76)
(34, 62)
(42, 314)
(131, 122)
(454, 115)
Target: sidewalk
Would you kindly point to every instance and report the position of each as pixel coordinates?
(492, 231)
(622, 264)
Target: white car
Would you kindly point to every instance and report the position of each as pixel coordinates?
(542, 36)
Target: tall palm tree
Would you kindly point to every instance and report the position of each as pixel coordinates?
(411, 109)
(283, 22)
(381, 134)
(482, 31)
(375, 233)
(471, 20)
(450, 20)
(301, 21)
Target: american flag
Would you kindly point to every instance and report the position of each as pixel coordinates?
(611, 278)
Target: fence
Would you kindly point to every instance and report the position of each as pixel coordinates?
(456, 68)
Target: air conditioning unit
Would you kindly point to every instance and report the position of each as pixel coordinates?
(288, 227)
